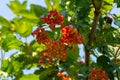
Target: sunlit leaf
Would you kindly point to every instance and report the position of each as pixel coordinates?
(30, 77)
(17, 66)
(23, 26)
(48, 3)
(5, 31)
(10, 42)
(5, 64)
(56, 4)
(108, 4)
(4, 22)
(27, 14)
(37, 47)
(16, 6)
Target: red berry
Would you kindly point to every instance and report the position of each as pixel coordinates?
(53, 18)
(70, 36)
(97, 74)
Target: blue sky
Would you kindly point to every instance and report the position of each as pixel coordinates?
(6, 12)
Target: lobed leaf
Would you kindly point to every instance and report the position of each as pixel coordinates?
(38, 10)
(10, 42)
(4, 22)
(30, 77)
(16, 6)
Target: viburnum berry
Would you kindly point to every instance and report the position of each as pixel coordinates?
(70, 36)
(56, 50)
(60, 74)
(64, 77)
(98, 74)
(41, 36)
(53, 18)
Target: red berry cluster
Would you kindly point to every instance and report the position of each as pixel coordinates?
(41, 36)
(97, 74)
(53, 18)
(70, 36)
(64, 77)
(56, 50)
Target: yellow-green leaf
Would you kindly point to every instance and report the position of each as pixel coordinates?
(10, 42)
(30, 77)
(4, 22)
(16, 6)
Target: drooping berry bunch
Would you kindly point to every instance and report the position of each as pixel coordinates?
(64, 77)
(56, 49)
(53, 18)
(98, 74)
(41, 36)
(70, 36)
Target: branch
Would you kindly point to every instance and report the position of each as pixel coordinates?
(115, 59)
(92, 33)
(94, 4)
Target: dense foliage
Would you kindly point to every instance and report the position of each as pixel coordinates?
(48, 40)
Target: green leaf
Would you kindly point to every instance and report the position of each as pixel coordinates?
(10, 42)
(73, 54)
(16, 6)
(17, 66)
(103, 60)
(48, 3)
(30, 77)
(5, 64)
(38, 10)
(5, 31)
(24, 26)
(4, 22)
(46, 72)
(37, 47)
(117, 22)
(107, 6)
(20, 9)
(27, 14)
(56, 4)
(117, 2)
